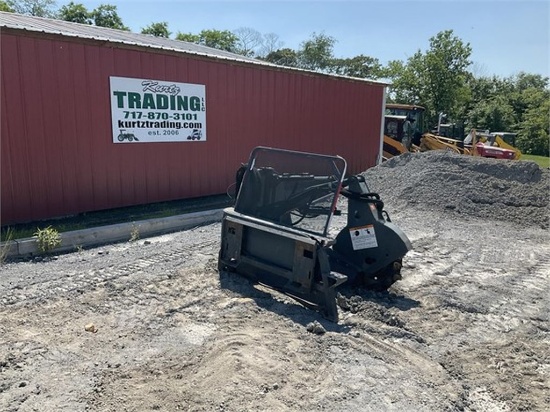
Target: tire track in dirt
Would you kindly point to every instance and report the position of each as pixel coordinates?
(490, 335)
(52, 282)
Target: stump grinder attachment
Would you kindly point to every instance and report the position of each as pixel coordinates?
(278, 232)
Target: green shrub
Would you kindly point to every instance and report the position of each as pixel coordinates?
(48, 239)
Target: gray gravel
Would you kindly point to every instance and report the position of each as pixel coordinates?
(515, 191)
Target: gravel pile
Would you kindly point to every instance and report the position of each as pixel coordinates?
(516, 191)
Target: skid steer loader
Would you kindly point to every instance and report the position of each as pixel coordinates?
(278, 233)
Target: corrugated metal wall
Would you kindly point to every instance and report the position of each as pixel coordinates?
(57, 154)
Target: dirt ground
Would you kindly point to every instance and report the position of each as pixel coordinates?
(152, 325)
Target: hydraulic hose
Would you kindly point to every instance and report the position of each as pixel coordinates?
(364, 197)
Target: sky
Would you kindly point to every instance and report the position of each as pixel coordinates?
(506, 36)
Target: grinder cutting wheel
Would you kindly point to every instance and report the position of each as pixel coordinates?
(278, 231)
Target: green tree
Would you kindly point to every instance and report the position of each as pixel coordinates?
(359, 66)
(105, 15)
(517, 104)
(492, 113)
(482, 88)
(6, 7)
(405, 88)
(437, 78)
(217, 39)
(157, 29)
(75, 13)
(284, 57)
(533, 136)
(39, 8)
(524, 91)
(316, 53)
(188, 37)
(530, 99)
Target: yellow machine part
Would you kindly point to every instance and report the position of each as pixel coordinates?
(499, 142)
(432, 142)
(392, 148)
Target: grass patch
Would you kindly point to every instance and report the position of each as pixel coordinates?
(542, 161)
(48, 239)
(4, 249)
(113, 216)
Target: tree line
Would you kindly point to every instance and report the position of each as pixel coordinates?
(441, 78)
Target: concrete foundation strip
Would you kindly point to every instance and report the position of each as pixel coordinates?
(71, 241)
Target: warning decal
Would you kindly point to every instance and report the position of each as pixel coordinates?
(363, 237)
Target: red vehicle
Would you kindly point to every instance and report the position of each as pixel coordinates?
(486, 150)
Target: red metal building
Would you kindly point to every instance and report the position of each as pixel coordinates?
(59, 153)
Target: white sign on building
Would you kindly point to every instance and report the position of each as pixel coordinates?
(145, 110)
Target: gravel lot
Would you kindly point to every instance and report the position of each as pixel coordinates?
(152, 325)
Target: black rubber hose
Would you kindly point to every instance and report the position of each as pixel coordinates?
(365, 197)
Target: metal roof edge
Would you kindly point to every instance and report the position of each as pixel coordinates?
(216, 54)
